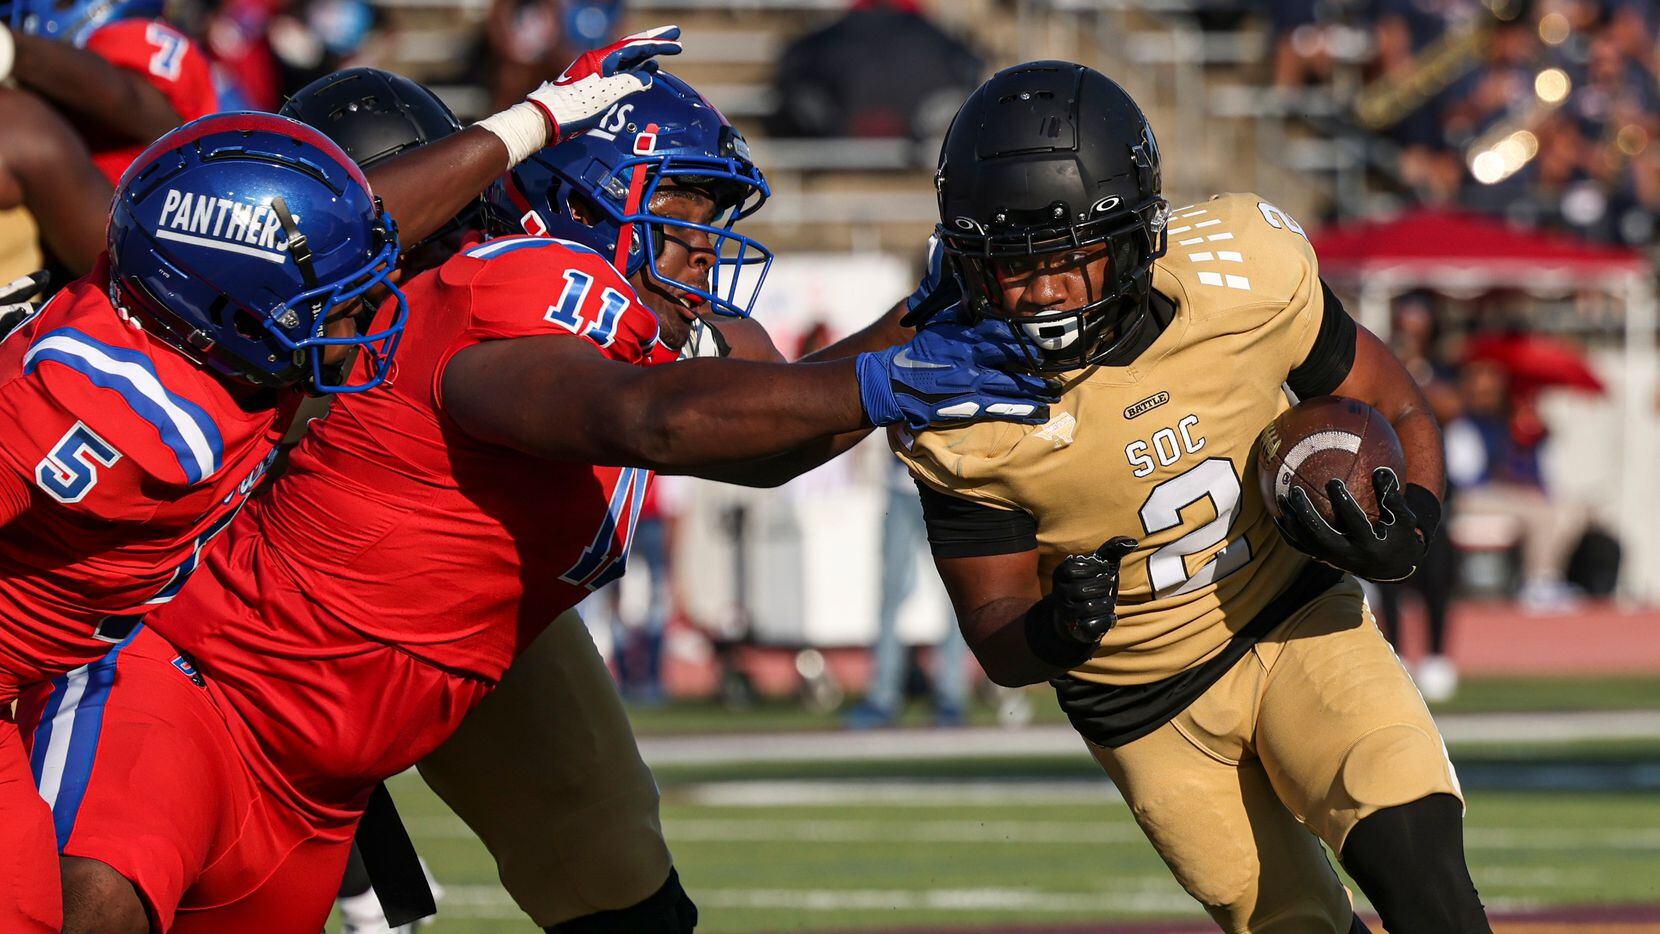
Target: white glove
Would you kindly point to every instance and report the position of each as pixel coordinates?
(581, 95)
(14, 299)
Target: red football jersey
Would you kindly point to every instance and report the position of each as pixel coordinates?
(132, 458)
(407, 531)
(166, 58)
(395, 538)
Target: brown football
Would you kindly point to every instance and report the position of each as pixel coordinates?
(1323, 438)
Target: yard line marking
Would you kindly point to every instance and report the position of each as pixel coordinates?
(931, 793)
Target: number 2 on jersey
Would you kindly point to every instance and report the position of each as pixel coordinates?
(567, 312)
(70, 470)
(1213, 479)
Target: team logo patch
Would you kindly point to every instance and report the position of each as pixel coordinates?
(183, 665)
(222, 224)
(1147, 405)
(1059, 430)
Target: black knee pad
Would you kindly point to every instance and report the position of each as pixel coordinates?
(669, 910)
(1409, 860)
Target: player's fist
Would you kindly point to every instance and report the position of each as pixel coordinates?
(576, 100)
(1388, 549)
(14, 300)
(1084, 596)
(953, 372)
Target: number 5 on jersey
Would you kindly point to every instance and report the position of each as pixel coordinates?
(70, 470)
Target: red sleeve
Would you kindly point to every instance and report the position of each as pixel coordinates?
(173, 64)
(527, 287)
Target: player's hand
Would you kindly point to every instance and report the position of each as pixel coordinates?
(576, 100)
(1084, 597)
(14, 299)
(937, 295)
(1389, 549)
(953, 372)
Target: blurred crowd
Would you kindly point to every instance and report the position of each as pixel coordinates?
(1544, 111)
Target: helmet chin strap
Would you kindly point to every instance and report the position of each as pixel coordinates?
(644, 143)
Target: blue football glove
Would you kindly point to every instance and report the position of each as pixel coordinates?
(938, 294)
(953, 372)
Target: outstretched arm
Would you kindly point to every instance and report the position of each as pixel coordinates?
(93, 91)
(45, 167)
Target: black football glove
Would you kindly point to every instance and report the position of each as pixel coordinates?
(1382, 551)
(1066, 626)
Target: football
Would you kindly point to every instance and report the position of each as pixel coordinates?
(1322, 439)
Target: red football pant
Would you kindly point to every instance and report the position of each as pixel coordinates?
(30, 897)
(143, 775)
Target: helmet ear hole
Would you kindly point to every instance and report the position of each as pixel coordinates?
(581, 210)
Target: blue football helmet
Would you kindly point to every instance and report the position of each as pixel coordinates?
(73, 21)
(237, 238)
(666, 132)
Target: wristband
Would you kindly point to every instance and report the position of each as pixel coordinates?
(522, 128)
(1426, 507)
(1044, 639)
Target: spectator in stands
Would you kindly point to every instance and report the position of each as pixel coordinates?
(881, 70)
(904, 543)
(529, 41)
(1414, 337)
(1494, 464)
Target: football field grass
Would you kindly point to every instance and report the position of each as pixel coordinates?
(986, 844)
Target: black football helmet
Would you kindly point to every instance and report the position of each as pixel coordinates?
(374, 115)
(1047, 157)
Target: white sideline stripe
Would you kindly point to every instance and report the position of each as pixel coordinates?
(63, 730)
(1146, 893)
(225, 245)
(761, 794)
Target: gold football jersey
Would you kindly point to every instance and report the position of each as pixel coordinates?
(19, 244)
(1161, 449)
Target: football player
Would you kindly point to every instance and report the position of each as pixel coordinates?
(1237, 692)
(139, 408)
(427, 532)
(546, 770)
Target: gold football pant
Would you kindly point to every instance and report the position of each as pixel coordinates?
(1313, 730)
(19, 245)
(547, 773)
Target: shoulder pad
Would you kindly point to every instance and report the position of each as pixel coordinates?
(117, 392)
(1238, 249)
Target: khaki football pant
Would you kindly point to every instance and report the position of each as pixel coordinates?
(1318, 727)
(19, 245)
(547, 773)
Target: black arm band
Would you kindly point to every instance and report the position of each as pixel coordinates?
(958, 528)
(1426, 507)
(1045, 642)
(1333, 354)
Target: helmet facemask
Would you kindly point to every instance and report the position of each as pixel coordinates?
(1115, 311)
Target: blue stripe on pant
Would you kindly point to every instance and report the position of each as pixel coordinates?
(74, 717)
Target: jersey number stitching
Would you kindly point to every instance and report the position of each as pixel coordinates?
(1213, 479)
(606, 557)
(70, 471)
(567, 312)
(169, 57)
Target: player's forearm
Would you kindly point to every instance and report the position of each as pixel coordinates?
(880, 334)
(782, 468)
(67, 195)
(95, 92)
(996, 634)
(706, 413)
(424, 188)
(1420, 437)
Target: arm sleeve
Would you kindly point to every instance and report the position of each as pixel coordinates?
(1333, 355)
(958, 528)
